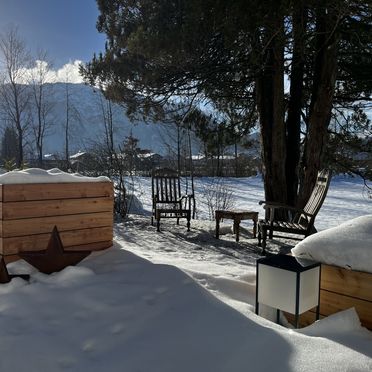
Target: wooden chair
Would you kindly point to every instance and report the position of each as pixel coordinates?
(299, 221)
(167, 199)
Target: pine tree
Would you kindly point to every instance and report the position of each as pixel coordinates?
(241, 52)
(9, 145)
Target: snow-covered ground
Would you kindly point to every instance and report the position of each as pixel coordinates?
(174, 301)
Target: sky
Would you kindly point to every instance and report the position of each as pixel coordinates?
(66, 29)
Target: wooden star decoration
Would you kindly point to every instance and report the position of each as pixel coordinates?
(54, 258)
(5, 277)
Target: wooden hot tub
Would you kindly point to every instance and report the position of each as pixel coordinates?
(82, 212)
(341, 289)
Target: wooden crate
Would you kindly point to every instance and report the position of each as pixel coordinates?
(341, 289)
(82, 212)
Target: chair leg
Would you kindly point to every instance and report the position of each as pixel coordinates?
(271, 233)
(157, 217)
(217, 227)
(264, 237)
(188, 221)
(178, 221)
(259, 235)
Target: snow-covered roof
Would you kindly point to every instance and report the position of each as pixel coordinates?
(77, 155)
(147, 155)
(49, 156)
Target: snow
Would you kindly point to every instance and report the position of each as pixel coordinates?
(348, 245)
(171, 301)
(117, 311)
(37, 175)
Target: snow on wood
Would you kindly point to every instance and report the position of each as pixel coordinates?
(348, 245)
(82, 212)
(37, 175)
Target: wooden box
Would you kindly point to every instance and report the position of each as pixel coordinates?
(341, 289)
(82, 212)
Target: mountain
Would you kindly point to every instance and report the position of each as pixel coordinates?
(87, 127)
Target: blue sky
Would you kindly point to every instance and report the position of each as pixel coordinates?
(66, 29)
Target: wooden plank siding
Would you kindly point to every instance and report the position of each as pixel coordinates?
(341, 289)
(75, 190)
(70, 239)
(61, 207)
(42, 225)
(82, 212)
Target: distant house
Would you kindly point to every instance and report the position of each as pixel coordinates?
(51, 161)
(82, 161)
(147, 160)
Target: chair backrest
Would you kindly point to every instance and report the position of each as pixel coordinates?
(319, 193)
(166, 186)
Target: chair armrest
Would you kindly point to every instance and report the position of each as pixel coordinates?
(273, 206)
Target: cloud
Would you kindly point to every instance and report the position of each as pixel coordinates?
(67, 73)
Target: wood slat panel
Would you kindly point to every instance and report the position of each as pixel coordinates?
(85, 236)
(306, 318)
(28, 192)
(331, 303)
(30, 209)
(40, 225)
(98, 246)
(69, 238)
(1, 192)
(351, 283)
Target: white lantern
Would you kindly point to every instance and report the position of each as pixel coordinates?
(288, 284)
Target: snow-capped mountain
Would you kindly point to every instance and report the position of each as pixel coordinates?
(87, 123)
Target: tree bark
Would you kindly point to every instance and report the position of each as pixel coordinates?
(325, 70)
(270, 98)
(293, 124)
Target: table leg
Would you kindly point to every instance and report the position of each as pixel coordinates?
(217, 227)
(254, 227)
(236, 228)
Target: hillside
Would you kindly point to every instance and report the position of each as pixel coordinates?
(88, 129)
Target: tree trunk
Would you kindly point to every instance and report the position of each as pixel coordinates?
(321, 100)
(293, 123)
(236, 157)
(270, 97)
(67, 129)
(19, 159)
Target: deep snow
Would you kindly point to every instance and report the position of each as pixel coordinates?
(348, 245)
(173, 301)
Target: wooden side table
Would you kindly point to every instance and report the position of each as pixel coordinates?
(236, 215)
